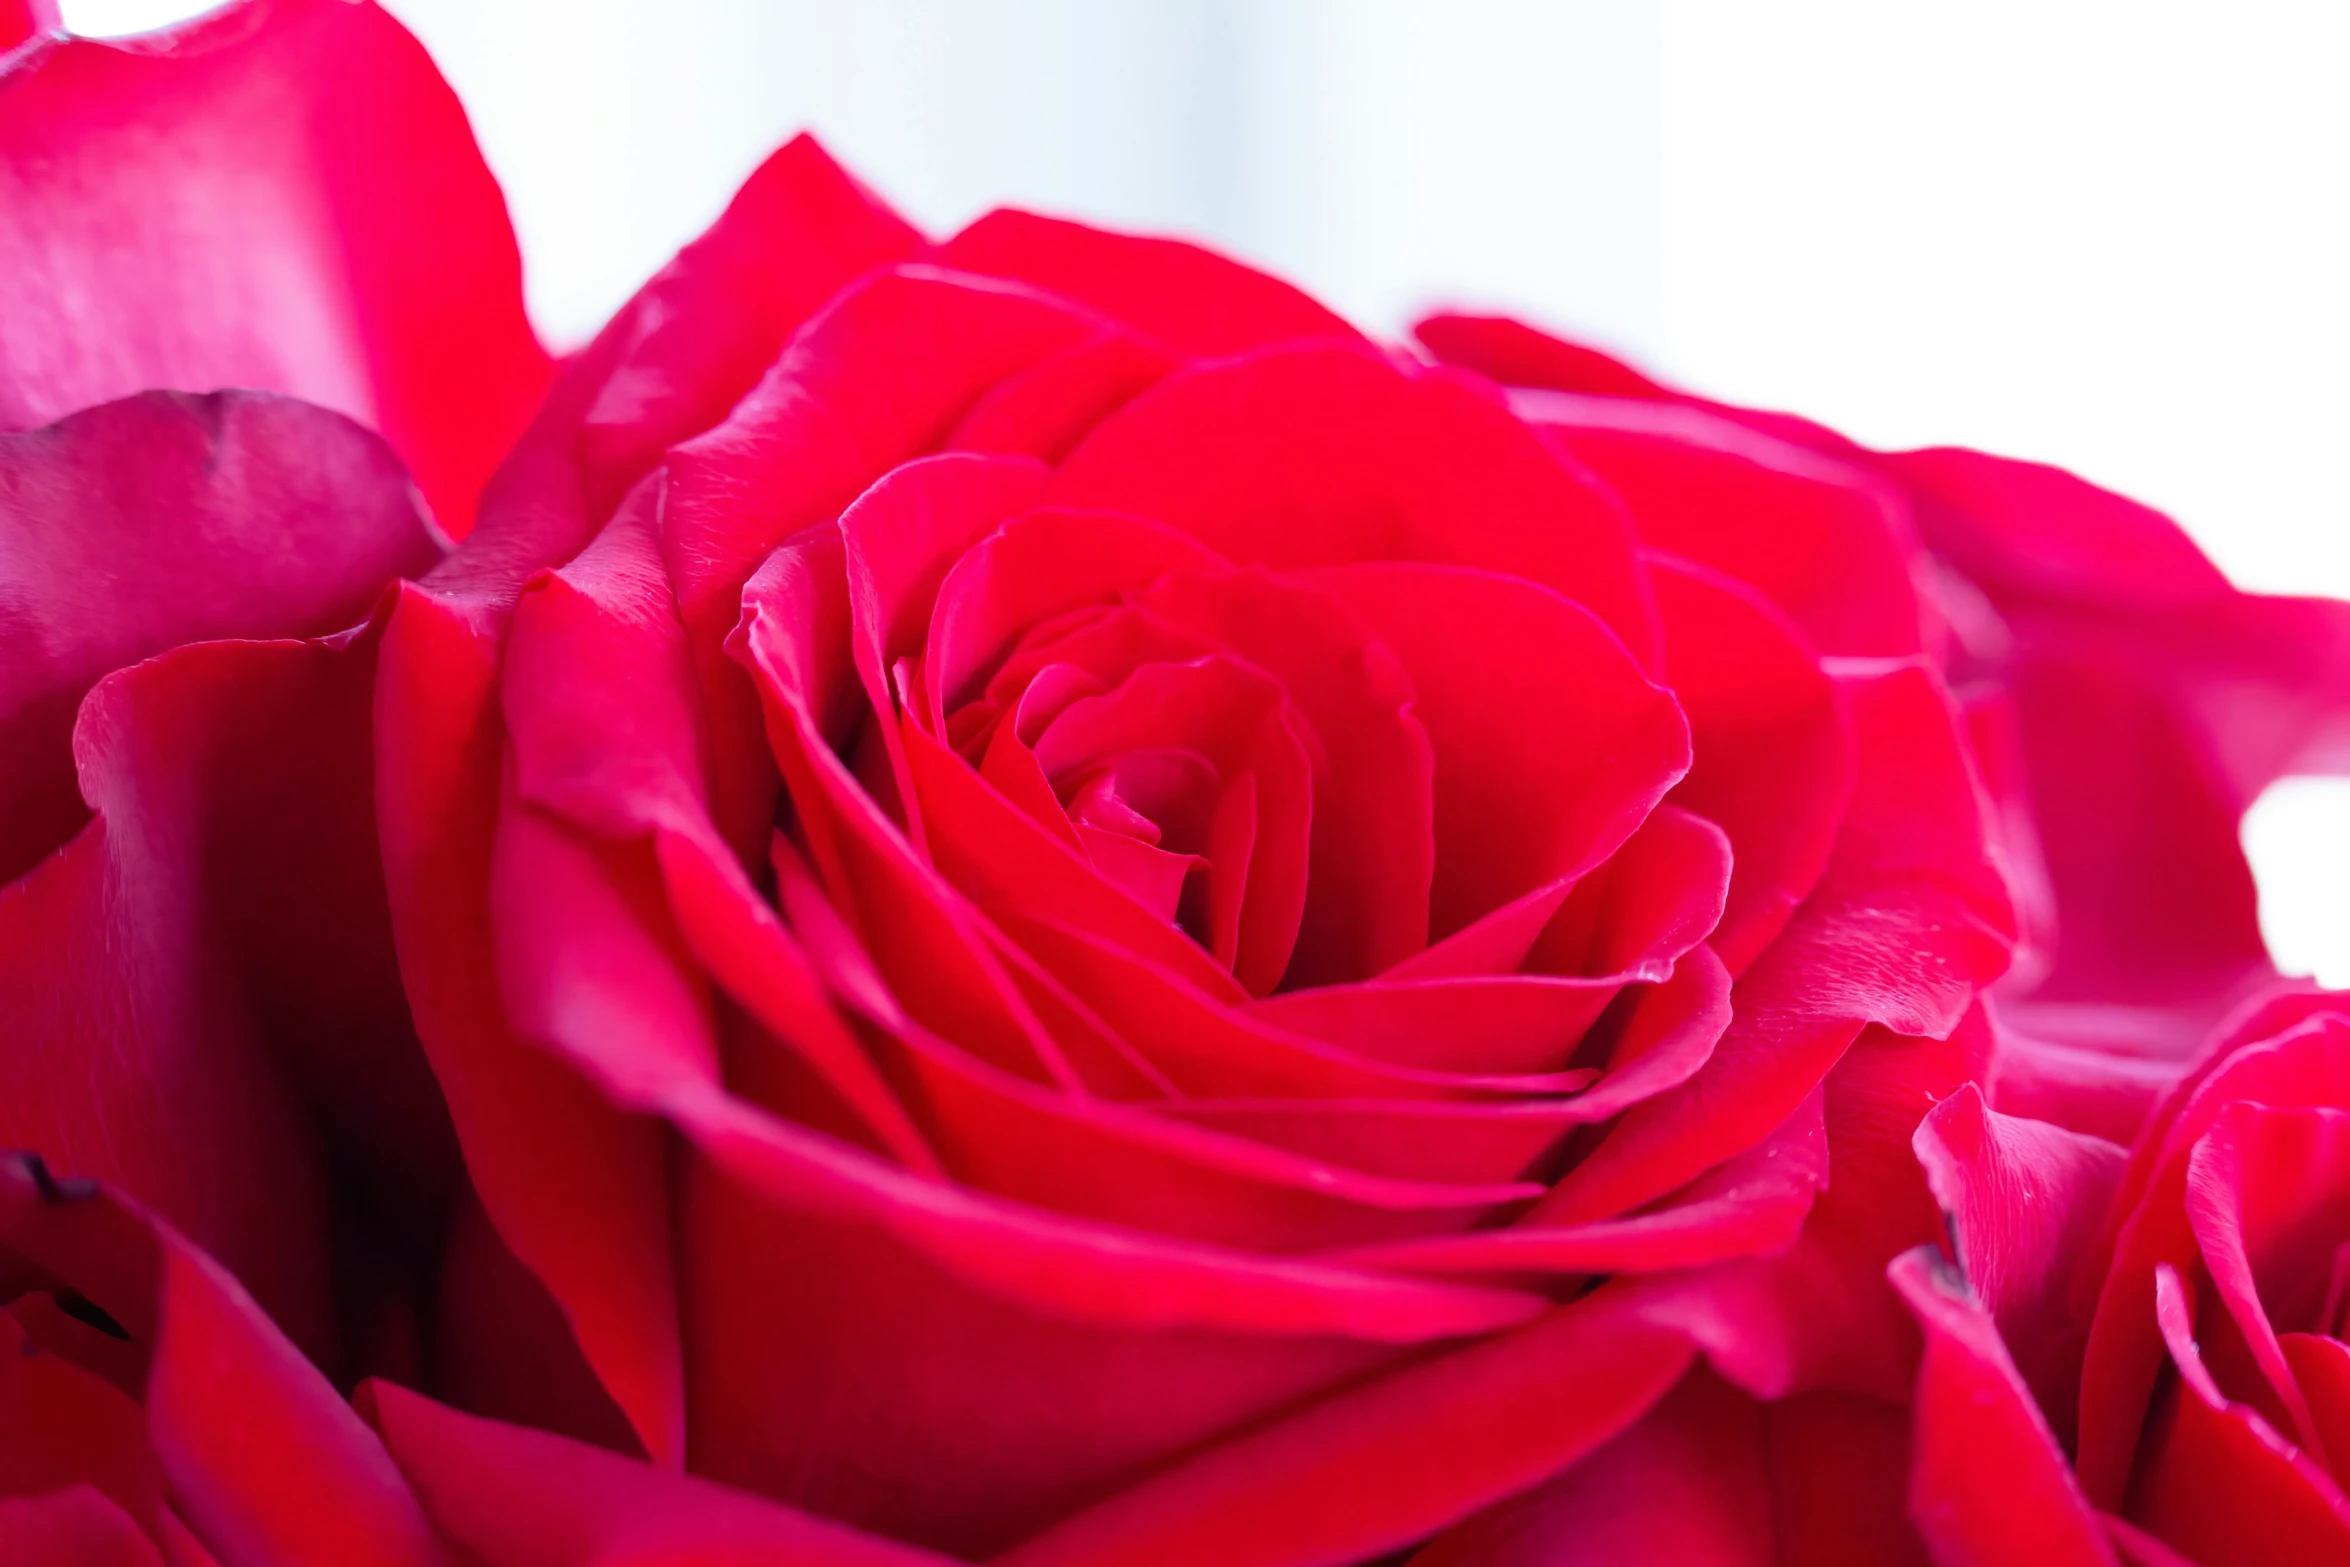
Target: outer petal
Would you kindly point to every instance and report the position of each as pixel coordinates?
(1818, 1315)
(1687, 1485)
(205, 968)
(1909, 875)
(1989, 1484)
(75, 1527)
(136, 526)
(540, 1144)
(1515, 354)
(21, 20)
(2026, 1201)
(709, 324)
(294, 1476)
(1358, 1474)
(2216, 1481)
(833, 1304)
(1712, 1478)
(284, 195)
(515, 1497)
(2306, 1063)
(1200, 303)
(1827, 542)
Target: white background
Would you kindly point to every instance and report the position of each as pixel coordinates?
(2111, 235)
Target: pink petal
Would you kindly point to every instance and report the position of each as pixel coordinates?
(282, 195)
(158, 520)
(2026, 1201)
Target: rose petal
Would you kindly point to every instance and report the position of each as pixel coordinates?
(217, 936)
(296, 1476)
(1515, 354)
(540, 1144)
(2154, 704)
(1199, 302)
(1828, 543)
(1367, 894)
(1353, 1476)
(1332, 455)
(514, 1496)
(1238, 719)
(819, 1279)
(2305, 1063)
(77, 1524)
(2260, 1184)
(1044, 411)
(62, 1425)
(879, 376)
(899, 541)
(1818, 1316)
(537, 1140)
(1909, 879)
(1670, 1031)
(1771, 753)
(1989, 1483)
(1550, 745)
(1037, 566)
(2025, 1201)
(1746, 1206)
(2097, 1093)
(2321, 1368)
(1688, 1484)
(161, 519)
(706, 327)
(283, 195)
(2216, 1482)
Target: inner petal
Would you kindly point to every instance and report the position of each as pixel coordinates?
(1253, 827)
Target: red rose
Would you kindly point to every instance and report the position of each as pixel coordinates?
(2173, 1318)
(1015, 896)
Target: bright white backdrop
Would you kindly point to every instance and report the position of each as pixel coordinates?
(2113, 235)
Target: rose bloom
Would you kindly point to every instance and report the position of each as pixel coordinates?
(2172, 1316)
(1012, 897)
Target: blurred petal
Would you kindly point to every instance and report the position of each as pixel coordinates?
(282, 195)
